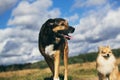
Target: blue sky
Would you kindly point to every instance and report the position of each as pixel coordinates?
(96, 23)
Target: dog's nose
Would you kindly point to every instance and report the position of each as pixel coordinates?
(71, 29)
(108, 55)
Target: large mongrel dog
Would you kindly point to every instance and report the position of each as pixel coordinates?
(53, 38)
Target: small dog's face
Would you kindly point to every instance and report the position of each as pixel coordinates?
(105, 51)
(61, 27)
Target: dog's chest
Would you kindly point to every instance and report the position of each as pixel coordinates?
(49, 50)
(53, 46)
(106, 65)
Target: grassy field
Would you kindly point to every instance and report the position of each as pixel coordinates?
(82, 67)
(78, 71)
(84, 71)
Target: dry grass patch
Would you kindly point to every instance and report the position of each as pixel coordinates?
(82, 71)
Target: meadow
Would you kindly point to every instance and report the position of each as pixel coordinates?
(81, 67)
(84, 71)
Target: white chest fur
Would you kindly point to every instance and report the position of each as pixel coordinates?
(105, 66)
(49, 50)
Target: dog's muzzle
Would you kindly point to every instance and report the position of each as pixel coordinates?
(106, 56)
(65, 32)
(71, 29)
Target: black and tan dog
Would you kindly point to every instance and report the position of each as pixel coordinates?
(53, 38)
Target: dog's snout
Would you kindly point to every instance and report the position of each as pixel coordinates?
(71, 29)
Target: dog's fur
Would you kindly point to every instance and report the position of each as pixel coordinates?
(106, 64)
(53, 38)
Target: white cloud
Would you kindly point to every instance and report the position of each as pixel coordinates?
(96, 29)
(6, 4)
(95, 2)
(112, 18)
(17, 44)
(118, 37)
(88, 3)
(73, 18)
(32, 15)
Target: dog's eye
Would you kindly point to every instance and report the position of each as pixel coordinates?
(103, 52)
(62, 24)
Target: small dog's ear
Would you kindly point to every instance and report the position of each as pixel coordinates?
(108, 46)
(99, 48)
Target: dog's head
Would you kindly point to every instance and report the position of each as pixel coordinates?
(60, 27)
(105, 51)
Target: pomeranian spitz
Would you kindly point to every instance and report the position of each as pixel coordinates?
(106, 64)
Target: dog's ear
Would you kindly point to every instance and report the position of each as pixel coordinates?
(50, 22)
(108, 46)
(47, 26)
(99, 48)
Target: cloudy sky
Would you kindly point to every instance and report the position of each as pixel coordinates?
(97, 22)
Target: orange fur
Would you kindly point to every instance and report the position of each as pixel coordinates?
(115, 75)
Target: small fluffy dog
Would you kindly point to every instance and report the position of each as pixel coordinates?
(53, 38)
(106, 64)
